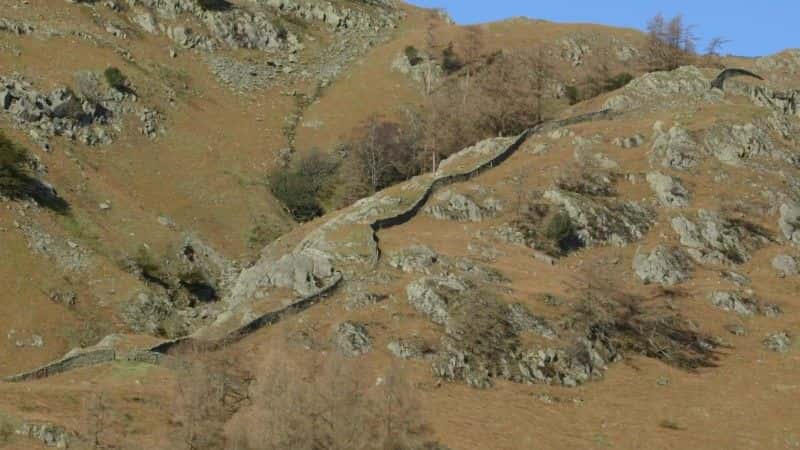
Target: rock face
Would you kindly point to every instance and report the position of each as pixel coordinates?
(664, 90)
(418, 258)
(450, 205)
(670, 191)
(146, 312)
(522, 320)
(734, 302)
(743, 304)
(303, 272)
(789, 222)
(786, 265)
(600, 222)
(432, 296)
(663, 265)
(58, 113)
(674, 149)
(352, 339)
(735, 144)
(409, 348)
(712, 239)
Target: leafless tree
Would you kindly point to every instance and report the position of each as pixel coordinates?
(671, 42)
(310, 400)
(715, 45)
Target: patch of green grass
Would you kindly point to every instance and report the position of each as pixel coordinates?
(129, 370)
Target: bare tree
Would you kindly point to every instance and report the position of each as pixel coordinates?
(472, 52)
(671, 42)
(715, 45)
(309, 400)
(208, 393)
(97, 419)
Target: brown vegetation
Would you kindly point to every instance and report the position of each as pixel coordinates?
(307, 400)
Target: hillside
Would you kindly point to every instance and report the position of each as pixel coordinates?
(621, 273)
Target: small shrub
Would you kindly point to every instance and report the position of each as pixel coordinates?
(215, 5)
(17, 180)
(617, 81)
(116, 79)
(14, 173)
(559, 227)
(451, 62)
(304, 186)
(148, 266)
(412, 55)
(573, 94)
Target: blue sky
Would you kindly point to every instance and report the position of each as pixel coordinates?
(753, 27)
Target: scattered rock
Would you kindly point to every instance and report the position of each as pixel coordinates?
(522, 320)
(629, 142)
(66, 298)
(674, 149)
(715, 240)
(600, 222)
(352, 339)
(789, 222)
(786, 265)
(735, 144)
(450, 205)
(734, 302)
(670, 191)
(409, 348)
(778, 342)
(736, 329)
(432, 296)
(418, 258)
(147, 312)
(663, 265)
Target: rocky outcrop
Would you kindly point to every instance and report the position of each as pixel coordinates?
(789, 222)
(663, 265)
(786, 265)
(418, 258)
(432, 296)
(450, 205)
(779, 342)
(16, 27)
(712, 239)
(670, 191)
(736, 144)
(352, 339)
(409, 348)
(734, 302)
(665, 90)
(522, 321)
(673, 149)
(603, 222)
(147, 312)
(58, 113)
(629, 142)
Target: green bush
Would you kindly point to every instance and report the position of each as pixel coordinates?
(305, 185)
(617, 81)
(559, 227)
(115, 78)
(296, 193)
(451, 62)
(215, 5)
(14, 173)
(412, 54)
(573, 94)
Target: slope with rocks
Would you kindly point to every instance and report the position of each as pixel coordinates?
(576, 275)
